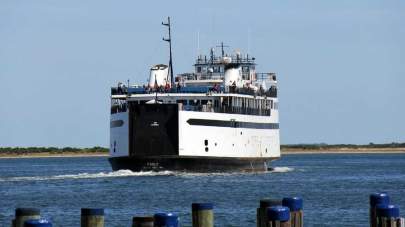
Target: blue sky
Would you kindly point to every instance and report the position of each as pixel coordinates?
(340, 64)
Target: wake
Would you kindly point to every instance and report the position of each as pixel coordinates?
(281, 170)
(120, 173)
(129, 173)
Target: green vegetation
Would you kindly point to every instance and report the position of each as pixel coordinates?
(49, 150)
(324, 146)
(97, 150)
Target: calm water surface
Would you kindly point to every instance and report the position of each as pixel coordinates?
(335, 189)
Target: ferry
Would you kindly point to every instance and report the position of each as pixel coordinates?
(221, 117)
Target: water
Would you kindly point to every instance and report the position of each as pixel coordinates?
(335, 189)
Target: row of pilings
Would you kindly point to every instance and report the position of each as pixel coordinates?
(287, 212)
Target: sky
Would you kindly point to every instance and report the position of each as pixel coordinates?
(340, 64)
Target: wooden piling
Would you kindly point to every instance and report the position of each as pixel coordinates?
(24, 214)
(376, 199)
(261, 214)
(165, 220)
(278, 216)
(202, 214)
(387, 215)
(91, 217)
(38, 223)
(295, 204)
(142, 222)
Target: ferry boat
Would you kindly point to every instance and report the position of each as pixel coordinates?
(221, 117)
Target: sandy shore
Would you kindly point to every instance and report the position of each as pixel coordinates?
(345, 151)
(283, 151)
(53, 155)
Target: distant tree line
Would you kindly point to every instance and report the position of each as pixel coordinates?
(322, 146)
(51, 150)
(56, 150)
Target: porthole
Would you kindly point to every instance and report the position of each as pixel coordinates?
(206, 142)
(206, 149)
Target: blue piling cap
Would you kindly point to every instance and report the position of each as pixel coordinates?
(166, 220)
(202, 206)
(294, 203)
(278, 213)
(92, 211)
(26, 212)
(379, 198)
(389, 211)
(37, 223)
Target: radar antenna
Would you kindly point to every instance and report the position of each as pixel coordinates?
(170, 50)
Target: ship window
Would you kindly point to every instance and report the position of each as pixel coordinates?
(206, 149)
(245, 69)
(204, 102)
(206, 142)
(199, 69)
(116, 123)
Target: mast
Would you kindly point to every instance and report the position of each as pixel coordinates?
(170, 50)
(222, 48)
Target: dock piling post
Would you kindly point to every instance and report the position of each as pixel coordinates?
(262, 210)
(165, 220)
(37, 223)
(202, 214)
(278, 216)
(387, 215)
(92, 217)
(295, 204)
(24, 214)
(376, 199)
(142, 222)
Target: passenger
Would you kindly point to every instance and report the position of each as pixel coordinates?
(167, 87)
(233, 88)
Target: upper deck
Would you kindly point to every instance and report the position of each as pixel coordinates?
(227, 83)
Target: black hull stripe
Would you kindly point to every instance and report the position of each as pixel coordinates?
(192, 164)
(232, 124)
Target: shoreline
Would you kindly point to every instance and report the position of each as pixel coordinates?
(344, 151)
(52, 155)
(286, 151)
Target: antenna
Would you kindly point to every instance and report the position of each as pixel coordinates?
(170, 50)
(222, 48)
(198, 42)
(248, 41)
